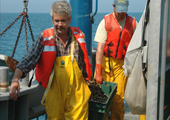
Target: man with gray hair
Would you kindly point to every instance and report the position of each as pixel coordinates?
(113, 36)
(62, 67)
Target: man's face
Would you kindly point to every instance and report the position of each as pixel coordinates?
(119, 16)
(61, 23)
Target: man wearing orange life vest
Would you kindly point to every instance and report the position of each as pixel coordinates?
(113, 36)
(62, 65)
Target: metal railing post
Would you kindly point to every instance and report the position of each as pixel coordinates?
(163, 61)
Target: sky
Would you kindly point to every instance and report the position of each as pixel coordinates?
(43, 6)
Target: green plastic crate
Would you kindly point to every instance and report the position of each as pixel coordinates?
(98, 110)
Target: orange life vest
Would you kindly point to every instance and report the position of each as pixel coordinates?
(45, 64)
(117, 39)
(80, 38)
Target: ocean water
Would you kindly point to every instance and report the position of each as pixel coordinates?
(39, 22)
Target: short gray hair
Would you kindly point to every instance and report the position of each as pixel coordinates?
(61, 7)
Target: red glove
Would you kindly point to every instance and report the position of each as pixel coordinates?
(98, 76)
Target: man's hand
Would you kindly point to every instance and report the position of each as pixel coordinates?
(98, 76)
(14, 89)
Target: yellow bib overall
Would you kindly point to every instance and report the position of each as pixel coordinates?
(116, 75)
(68, 95)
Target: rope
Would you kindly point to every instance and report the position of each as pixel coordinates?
(24, 20)
(16, 43)
(26, 36)
(16, 19)
(29, 25)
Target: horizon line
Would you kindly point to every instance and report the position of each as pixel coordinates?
(49, 12)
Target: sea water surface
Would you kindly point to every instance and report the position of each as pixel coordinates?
(39, 22)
